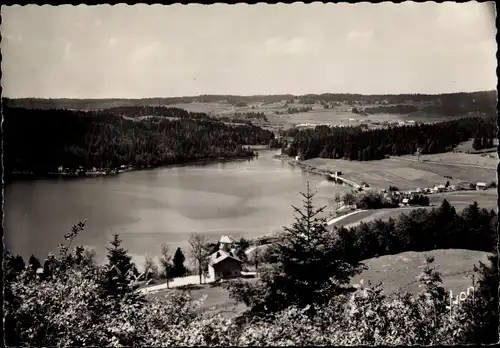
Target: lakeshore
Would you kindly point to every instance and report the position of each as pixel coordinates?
(107, 172)
(315, 170)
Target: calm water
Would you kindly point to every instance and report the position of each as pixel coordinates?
(164, 205)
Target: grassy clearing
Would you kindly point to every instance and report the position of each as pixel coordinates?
(371, 215)
(467, 147)
(458, 158)
(217, 299)
(486, 199)
(409, 175)
(335, 116)
(461, 199)
(380, 174)
(398, 272)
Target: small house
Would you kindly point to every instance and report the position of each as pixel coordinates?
(481, 186)
(224, 264)
(405, 201)
(441, 188)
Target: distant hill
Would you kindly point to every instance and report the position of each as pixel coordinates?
(485, 100)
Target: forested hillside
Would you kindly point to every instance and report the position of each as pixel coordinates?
(355, 143)
(39, 141)
(448, 103)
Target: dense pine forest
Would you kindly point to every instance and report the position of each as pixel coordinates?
(355, 143)
(39, 141)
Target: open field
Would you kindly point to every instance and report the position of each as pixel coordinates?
(466, 146)
(486, 199)
(456, 158)
(374, 214)
(217, 299)
(398, 272)
(460, 199)
(335, 116)
(407, 174)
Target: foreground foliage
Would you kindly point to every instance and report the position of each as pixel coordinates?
(302, 299)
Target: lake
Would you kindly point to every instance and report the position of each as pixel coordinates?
(164, 205)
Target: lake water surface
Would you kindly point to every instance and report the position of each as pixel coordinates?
(164, 205)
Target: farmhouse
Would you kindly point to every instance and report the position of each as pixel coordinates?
(224, 263)
(481, 186)
(440, 188)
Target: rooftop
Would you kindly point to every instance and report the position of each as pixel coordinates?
(226, 239)
(220, 256)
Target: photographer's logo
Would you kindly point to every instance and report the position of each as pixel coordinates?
(459, 298)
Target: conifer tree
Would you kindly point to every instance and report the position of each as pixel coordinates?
(309, 271)
(119, 267)
(178, 269)
(34, 263)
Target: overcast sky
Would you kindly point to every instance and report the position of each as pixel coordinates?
(147, 51)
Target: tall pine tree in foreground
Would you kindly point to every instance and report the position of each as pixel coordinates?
(118, 270)
(307, 271)
(310, 270)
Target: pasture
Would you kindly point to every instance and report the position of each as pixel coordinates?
(408, 174)
(456, 158)
(374, 214)
(460, 199)
(466, 146)
(217, 299)
(399, 272)
(338, 115)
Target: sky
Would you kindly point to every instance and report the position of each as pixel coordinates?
(141, 51)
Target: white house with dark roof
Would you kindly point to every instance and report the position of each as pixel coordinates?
(224, 263)
(481, 186)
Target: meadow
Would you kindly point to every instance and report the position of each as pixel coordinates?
(399, 272)
(407, 174)
(216, 300)
(337, 115)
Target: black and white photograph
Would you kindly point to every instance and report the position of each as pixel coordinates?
(320, 174)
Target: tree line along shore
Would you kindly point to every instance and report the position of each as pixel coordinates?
(44, 141)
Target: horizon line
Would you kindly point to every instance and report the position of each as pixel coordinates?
(253, 95)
